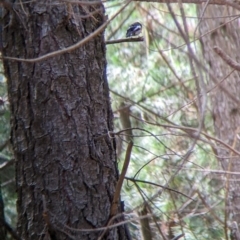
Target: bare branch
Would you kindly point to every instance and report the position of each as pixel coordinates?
(6, 164)
(104, 228)
(158, 185)
(226, 58)
(116, 197)
(138, 39)
(73, 47)
(212, 2)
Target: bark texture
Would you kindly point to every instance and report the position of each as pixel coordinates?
(65, 162)
(225, 98)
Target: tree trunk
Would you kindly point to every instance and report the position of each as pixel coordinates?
(225, 108)
(66, 164)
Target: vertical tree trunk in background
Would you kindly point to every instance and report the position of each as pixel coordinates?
(61, 115)
(225, 110)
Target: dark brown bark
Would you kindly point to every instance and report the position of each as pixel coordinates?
(66, 172)
(225, 110)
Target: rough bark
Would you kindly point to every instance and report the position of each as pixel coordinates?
(65, 162)
(225, 109)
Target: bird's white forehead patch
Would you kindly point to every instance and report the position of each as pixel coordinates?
(137, 27)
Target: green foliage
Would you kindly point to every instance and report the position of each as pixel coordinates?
(7, 178)
(155, 79)
(170, 164)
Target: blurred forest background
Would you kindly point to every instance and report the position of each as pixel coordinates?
(176, 95)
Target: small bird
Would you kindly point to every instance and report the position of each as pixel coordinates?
(134, 30)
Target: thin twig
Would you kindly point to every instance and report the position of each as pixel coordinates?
(210, 209)
(6, 164)
(232, 63)
(212, 2)
(158, 185)
(101, 228)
